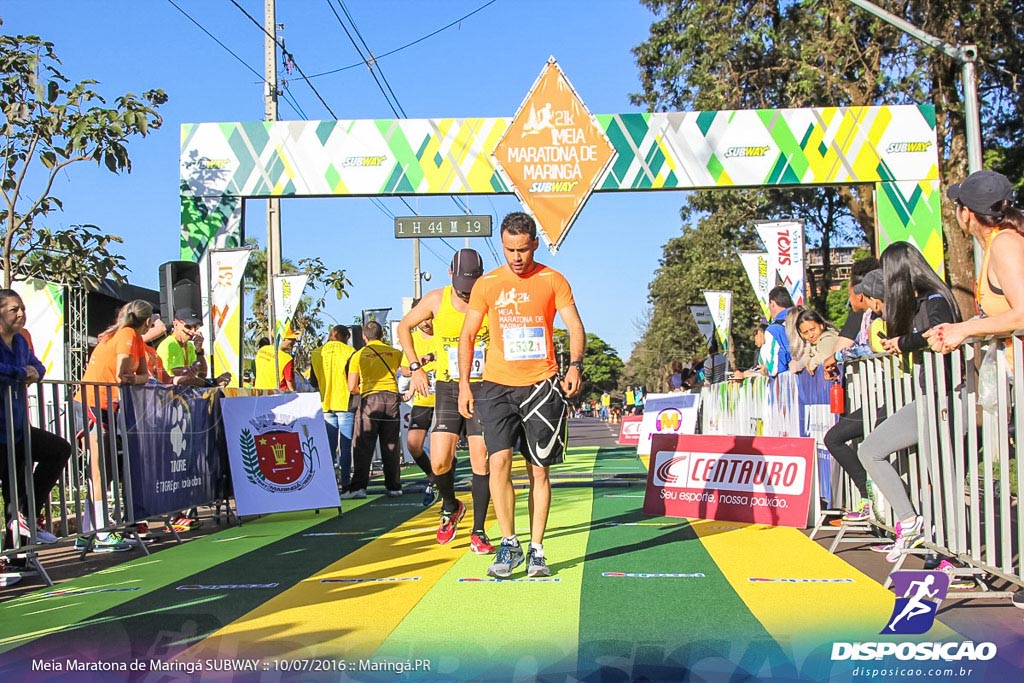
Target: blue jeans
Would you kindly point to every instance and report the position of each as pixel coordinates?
(341, 424)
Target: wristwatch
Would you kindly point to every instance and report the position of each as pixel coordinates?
(414, 366)
(578, 364)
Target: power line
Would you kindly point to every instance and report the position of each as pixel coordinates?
(292, 103)
(368, 61)
(373, 59)
(288, 55)
(407, 45)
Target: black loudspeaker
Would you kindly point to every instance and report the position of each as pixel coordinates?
(179, 288)
(357, 337)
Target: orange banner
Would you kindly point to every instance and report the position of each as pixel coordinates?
(553, 154)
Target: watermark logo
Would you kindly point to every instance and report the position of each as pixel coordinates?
(920, 593)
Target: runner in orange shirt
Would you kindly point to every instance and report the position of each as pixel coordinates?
(520, 395)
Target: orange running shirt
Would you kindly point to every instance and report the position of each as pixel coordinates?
(521, 313)
(102, 365)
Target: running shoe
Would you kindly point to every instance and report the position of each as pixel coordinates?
(881, 547)
(112, 543)
(861, 514)
(956, 582)
(352, 494)
(537, 565)
(42, 535)
(186, 524)
(906, 538)
(429, 495)
(508, 558)
(394, 493)
(449, 522)
(479, 544)
(1018, 599)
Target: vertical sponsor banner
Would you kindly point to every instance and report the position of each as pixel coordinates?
(44, 320)
(378, 314)
(173, 444)
(222, 299)
(756, 479)
(278, 452)
(705, 323)
(674, 413)
(720, 305)
(784, 241)
(287, 293)
(760, 271)
(629, 430)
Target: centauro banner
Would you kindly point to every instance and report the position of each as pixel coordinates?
(784, 241)
(720, 304)
(224, 269)
(760, 271)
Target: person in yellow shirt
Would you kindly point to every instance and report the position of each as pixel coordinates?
(373, 375)
(422, 416)
(447, 307)
(267, 371)
(330, 375)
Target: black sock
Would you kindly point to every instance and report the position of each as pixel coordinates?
(446, 487)
(481, 499)
(423, 461)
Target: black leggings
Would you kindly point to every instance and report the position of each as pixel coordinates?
(838, 439)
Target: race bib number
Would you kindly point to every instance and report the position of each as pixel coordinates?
(476, 370)
(525, 343)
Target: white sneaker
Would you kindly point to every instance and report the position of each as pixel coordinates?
(353, 494)
(395, 494)
(44, 536)
(906, 538)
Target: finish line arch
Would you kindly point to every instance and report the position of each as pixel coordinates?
(892, 147)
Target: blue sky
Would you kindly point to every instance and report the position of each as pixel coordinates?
(481, 67)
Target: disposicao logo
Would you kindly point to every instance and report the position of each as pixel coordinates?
(918, 596)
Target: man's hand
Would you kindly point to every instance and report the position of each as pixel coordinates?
(466, 403)
(572, 382)
(197, 340)
(420, 382)
(31, 374)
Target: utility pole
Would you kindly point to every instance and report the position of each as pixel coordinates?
(273, 203)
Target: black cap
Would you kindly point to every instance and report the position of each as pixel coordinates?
(873, 285)
(467, 267)
(187, 316)
(982, 191)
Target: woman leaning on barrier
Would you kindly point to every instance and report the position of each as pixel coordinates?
(119, 358)
(984, 209)
(916, 300)
(50, 453)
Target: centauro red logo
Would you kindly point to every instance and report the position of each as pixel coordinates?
(664, 471)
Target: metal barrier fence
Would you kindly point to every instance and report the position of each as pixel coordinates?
(963, 475)
(65, 429)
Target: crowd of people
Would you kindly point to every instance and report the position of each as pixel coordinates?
(480, 362)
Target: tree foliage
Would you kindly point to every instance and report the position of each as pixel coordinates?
(734, 54)
(601, 363)
(49, 124)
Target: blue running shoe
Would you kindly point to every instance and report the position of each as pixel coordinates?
(508, 558)
(429, 495)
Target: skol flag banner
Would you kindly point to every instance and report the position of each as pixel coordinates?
(287, 293)
(761, 273)
(784, 241)
(279, 455)
(705, 323)
(222, 284)
(720, 304)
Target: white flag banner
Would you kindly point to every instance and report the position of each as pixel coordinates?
(761, 273)
(702, 316)
(279, 455)
(222, 284)
(287, 293)
(784, 241)
(720, 304)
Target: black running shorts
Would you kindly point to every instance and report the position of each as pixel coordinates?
(421, 418)
(537, 412)
(447, 418)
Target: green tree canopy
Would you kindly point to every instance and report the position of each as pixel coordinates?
(49, 125)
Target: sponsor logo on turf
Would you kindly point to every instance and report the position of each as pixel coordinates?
(645, 575)
(546, 579)
(383, 579)
(785, 580)
(85, 591)
(224, 586)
